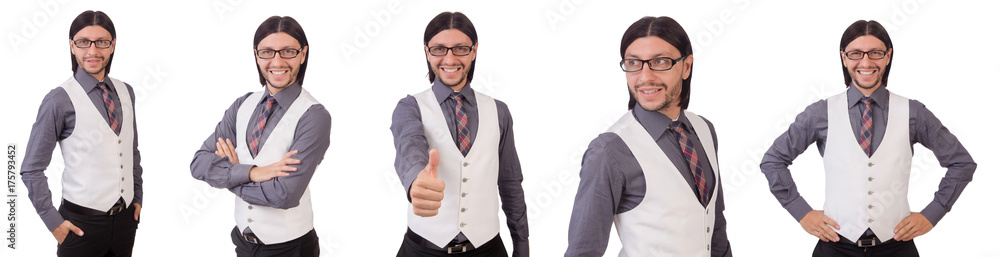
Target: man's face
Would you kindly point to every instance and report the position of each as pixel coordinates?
(280, 72)
(92, 59)
(865, 72)
(656, 90)
(452, 70)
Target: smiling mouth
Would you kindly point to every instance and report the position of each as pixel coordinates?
(278, 72)
(449, 70)
(866, 72)
(650, 91)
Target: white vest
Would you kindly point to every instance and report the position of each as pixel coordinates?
(863, 192)
(98, 163)
(273, 225)
(670, 220)
(470, 202)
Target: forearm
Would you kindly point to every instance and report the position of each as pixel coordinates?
(217, 171)
(41, 198)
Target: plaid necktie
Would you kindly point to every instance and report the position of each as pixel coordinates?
(691, 155)
(259, 128)
(110, 106)
(463, 125)
(866, 126)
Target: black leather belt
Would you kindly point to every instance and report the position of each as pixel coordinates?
(450, 248)
(865, 241)
(74, 208)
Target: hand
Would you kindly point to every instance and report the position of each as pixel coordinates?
(427, 191)
(63, 230)
(912, 226)
(226, 149)
(138, 207)
(818, 224)
(277, 169)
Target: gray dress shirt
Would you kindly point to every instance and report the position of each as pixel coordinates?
(311, 138)
(55, 121)
(612, 182)
(811, 126)
(411, 153)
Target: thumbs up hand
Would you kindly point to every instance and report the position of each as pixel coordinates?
(427, 191)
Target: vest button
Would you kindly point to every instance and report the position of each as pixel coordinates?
(462, 224)
(249, 207)
(871, 164)
(123, 178)
(249, 220)
(121, 166)
(707, 229)
(463, 209)
(465, 180)
(870, 192)
(463, 194)
(119, 141)
(123, 190)
(870, 220)
(871, 178)
(120, 154)
(466, 164)
(870, 206)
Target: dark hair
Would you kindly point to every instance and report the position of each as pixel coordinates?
(90, 18)
(863, 28)
(669, 30)
(288, 25)
(451, 20)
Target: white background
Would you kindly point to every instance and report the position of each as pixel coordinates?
(758, 64)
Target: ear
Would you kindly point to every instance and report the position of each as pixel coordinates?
(843, 59)
(305, 49)
(475, 48)
(687, 66)
(427, 53)
(888, 56)
(114, 42)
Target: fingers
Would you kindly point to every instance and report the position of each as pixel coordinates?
(432, 162)
(829, 233)
(425, 208)
(290, 153)
(218, 148)
(73, 228)
(829, 221)
(138, 208)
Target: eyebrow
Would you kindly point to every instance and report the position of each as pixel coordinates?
(456, 45)
(632, 56)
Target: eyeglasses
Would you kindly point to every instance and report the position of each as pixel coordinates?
(284, 53)
(873, 54)
(83, 43)
(657, 64)
(457, 50)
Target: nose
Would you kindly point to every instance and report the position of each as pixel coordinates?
(644, 74)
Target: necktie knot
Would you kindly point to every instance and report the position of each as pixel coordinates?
(456, 95)
(866, 100)
(677, 126)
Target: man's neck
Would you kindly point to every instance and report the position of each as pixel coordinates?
(458, 87)
(869, 91)
(672, 112)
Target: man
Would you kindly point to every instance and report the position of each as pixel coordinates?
(91, 117)
(654, 174)
(866, 136)
(247, 151)
(453, 187)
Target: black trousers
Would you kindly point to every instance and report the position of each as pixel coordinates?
(892, 248)
(305, 245)
(103, 235)
(415, 246)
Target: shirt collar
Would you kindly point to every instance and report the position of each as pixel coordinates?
(879, 97)
(656, 123)
(286, 96)
(443, 92)
(87, 81)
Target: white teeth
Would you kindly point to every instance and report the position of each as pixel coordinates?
(649, 91)
(278, 72)
(867, 73)
(451, 70)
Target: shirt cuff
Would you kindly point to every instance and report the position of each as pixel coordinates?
(52, 219)
(520, 248)
(798, 208)
(240, 174)
(934, 212)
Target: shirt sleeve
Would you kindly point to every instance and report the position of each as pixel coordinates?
(509, 183)
(136, 158)
(598, 196)
(311, 139)
(217, 171)
(950, 154)
(805, 130)
(50, 126)
(409, 141)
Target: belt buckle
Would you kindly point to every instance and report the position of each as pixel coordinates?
(455, 249)
(116, 209)
(251, 239)
(867, 242)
